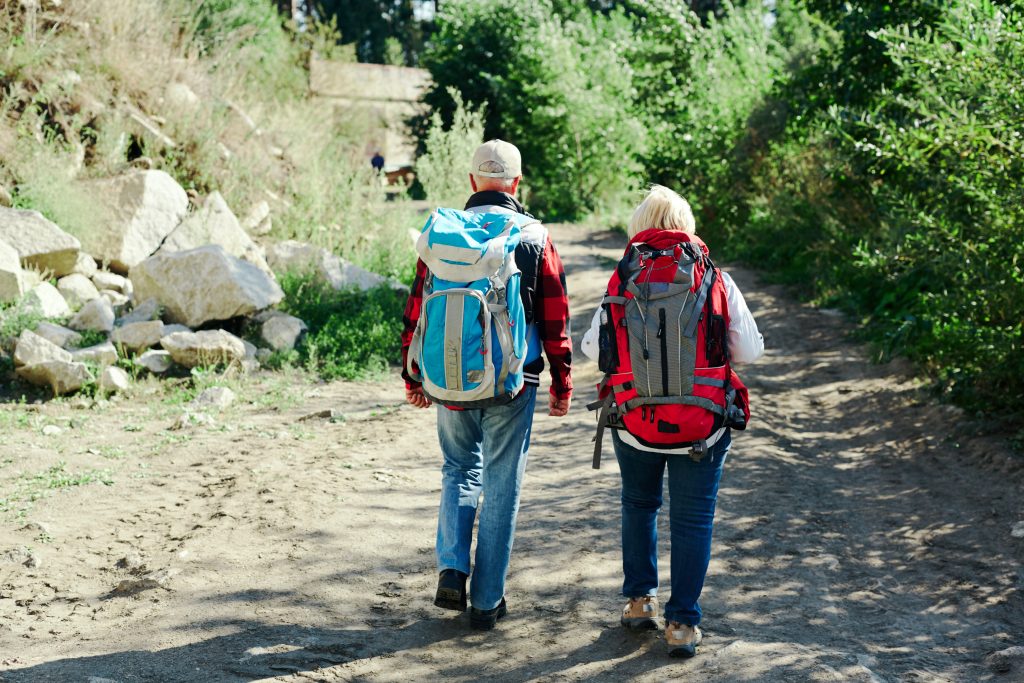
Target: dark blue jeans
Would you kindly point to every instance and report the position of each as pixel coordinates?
(692, 490)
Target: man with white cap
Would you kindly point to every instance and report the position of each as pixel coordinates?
(485, 449)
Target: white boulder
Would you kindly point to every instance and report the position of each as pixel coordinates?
(208, 347)
(214, 223)
(62, 377)
(142, 207)
(33, 349)
(57, 334)
(214, 397)
(281, 332)
(38, 241)
(104, 279)
(96, 316)
(85, 265)
(147, 310)
(12, 278)
(77, 289)
(137, 337)
(156, 361)
(114, 380)
(47, 301)
(204, 284)
(257, 221)
(100, 355)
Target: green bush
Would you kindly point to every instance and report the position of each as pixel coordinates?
(443, 169)
(559, 88)
(352, 334)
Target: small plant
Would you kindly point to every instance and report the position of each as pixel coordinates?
(352, 334)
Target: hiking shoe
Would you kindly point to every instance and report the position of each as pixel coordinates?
(682, 639)
(641, 614)
(451, 590)
(485, 619)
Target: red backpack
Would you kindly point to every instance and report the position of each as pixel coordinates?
(664, 347)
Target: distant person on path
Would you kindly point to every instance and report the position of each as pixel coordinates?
(377, 162)
(485, 449)
(667, 331)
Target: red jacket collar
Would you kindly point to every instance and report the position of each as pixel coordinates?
(660, 239)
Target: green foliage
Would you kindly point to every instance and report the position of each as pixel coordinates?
(352, 334)
(896, 191)
(444, 169)
(559, 88)
(383, 31)
(15, 318)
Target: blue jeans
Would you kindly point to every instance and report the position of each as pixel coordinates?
(484, 452)
(693, 490)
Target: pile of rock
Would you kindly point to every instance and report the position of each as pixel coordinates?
(165, 271)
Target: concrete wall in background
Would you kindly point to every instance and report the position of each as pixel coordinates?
(390, 94)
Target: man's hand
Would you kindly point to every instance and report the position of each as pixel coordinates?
(416, 398)
(558, 407)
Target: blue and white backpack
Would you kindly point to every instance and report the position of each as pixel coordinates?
(470, 342)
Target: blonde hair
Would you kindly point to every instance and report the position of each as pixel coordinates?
(662, 209)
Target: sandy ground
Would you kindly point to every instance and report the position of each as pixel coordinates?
(863, 534)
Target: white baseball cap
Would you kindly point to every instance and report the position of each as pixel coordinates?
(497, 159)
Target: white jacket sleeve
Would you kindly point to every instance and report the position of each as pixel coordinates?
(589, 346)
(745, 343)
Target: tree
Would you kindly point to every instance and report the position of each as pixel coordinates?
(370, 23)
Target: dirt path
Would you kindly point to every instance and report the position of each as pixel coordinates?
(861, 536)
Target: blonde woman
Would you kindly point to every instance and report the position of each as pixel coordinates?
(664, 424)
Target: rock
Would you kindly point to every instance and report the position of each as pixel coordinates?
(263, 355)
(1017, 531)
(142, 207)
(36, 528)
(1005, 661)
(57, 335)
(137, 337)
(214, 397)
(209, 347)
(5, 197)
(214, 223)
(174, 327)
(117, 299)
(77, 289)
(33, 562)
(12, 278)
(16, 555)
(250, 350)
(281, 332)
(39, 242)
(204, 284)
(189, 419)
(32, 349)
(107, 280)
(52, 430)
(156, 579)
(100, 355)
(114, 380)
(85, 265)
(181, 97)
(132, 561)
(147, 310)
(62, 377)
(305, 259)
(157, 362)
(47, 301)
(97, 316)
(257, 221)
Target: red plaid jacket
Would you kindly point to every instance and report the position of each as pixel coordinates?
(551, 316)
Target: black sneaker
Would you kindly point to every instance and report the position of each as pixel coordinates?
(485, 619)
(451, 590)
